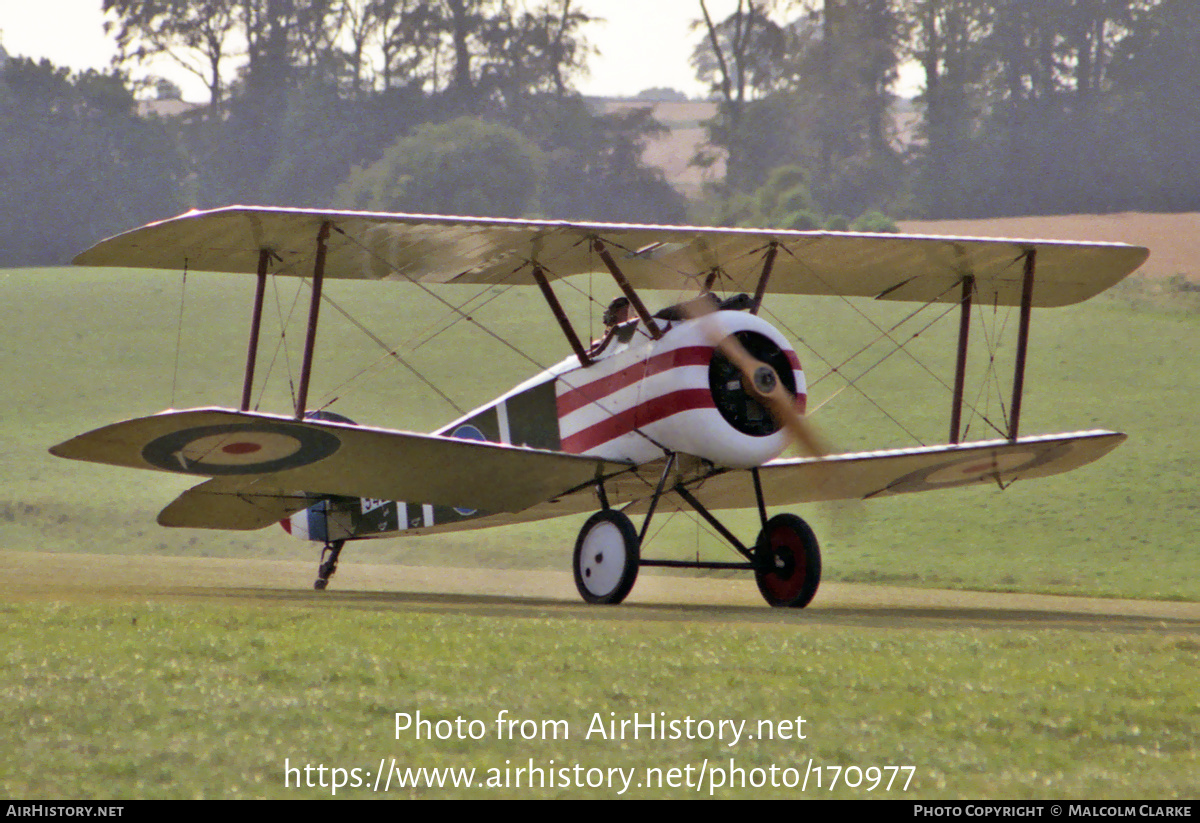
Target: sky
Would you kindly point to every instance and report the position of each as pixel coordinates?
(642, 43)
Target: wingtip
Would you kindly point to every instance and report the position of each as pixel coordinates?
(62, 449)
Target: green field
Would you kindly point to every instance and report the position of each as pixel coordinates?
(143, 698)
(184, 701)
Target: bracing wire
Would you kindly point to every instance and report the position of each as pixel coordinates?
(441, 299)
(281, 343)
(389, 352)
(179, 333)
(973, 407)
(471, 319)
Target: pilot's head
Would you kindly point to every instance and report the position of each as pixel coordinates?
(617, 312)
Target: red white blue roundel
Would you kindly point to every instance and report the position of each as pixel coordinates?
(967, 469)
(240, 448)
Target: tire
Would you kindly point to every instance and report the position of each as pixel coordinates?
(606, 558)
(789, 562)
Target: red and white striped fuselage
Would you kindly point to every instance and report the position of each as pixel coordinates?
(650, 396)
(636, 401)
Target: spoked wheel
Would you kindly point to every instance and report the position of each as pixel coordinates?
(789, 562)
(606, 557)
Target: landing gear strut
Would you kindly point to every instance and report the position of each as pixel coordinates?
(328, 566)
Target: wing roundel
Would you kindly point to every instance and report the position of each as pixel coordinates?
(339, 459)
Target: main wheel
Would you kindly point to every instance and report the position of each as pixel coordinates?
(606, 557)
(789, 562)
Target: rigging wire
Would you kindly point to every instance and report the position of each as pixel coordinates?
(281, 343)
(850, 383)
(179, 332)
(431, 330)
(389, 352)
(439, 298)
(870, 368)
(974, 409)
(992, 339)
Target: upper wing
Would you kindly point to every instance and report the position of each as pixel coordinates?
(436, 249)
(339, 459)
(874, 474)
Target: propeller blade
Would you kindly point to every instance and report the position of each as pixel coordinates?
(760, 379)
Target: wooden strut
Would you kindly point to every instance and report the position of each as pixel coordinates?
(960, 368)
(1022, 343)
(561, 316)
(758, 496)
(662, 482)
(768, 264)
(729, 536)
(264, 257)
(314, 310)
(634, 300)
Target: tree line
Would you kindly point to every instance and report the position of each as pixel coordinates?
(1047, 107)
(471, 106)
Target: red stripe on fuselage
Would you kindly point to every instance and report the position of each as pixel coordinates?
(625, 422)
(602, 387)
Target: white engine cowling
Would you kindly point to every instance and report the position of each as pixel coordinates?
(678, 393)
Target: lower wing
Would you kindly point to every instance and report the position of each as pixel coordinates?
(239, 504)
(268, 462)
(866, 475)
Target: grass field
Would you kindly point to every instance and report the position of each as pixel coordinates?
(142, 698)
(156, 700)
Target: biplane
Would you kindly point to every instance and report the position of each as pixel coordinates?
(686, 408)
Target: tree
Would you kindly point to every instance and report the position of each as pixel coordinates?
(944, 39)
(407, 41)
(467, 166)
(1020, 114)
(594, 164)
(814, 92)
(847, 62)
(504, 54)
(79, 164)
(740, 58)
(1156, 79)
(199, 35)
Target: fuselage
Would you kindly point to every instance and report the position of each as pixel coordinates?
(639, 399)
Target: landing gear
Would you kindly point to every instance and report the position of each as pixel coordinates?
(785, 559)
(606, 557)
(787, 562)
(328, 566)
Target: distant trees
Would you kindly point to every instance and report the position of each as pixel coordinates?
(595, 170)
(470, 105)
(1069, 105)
(1154, 73)
(812, 92)
(481, 53)
(465, 166)
(420, 105)
(77, 163)
(1049, 107)
(333, 92)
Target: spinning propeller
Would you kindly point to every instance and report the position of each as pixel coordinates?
(759, 378)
